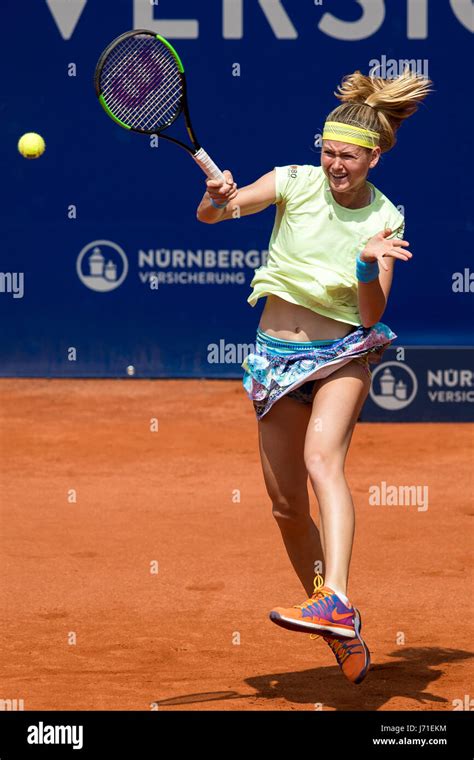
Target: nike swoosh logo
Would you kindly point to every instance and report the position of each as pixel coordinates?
(338, 616)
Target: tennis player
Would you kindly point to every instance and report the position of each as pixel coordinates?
(326, 281)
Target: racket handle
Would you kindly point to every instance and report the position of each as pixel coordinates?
(207, 165)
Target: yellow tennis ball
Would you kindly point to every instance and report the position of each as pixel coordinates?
(31, 145)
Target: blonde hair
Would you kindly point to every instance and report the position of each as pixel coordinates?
(392, 101)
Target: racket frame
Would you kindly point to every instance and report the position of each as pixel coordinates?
(183, 106)
(197, 152)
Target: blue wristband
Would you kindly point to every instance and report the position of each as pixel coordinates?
(366, 271)
(216, 205)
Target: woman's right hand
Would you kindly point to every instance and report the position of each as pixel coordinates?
(222, 192)
(378, 247)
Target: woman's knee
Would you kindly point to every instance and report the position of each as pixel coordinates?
(323, 465)
(291, 513)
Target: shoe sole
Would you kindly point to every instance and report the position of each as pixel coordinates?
(358, 628)
(303, 627)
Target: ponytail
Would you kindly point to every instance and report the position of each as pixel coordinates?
(380, 105)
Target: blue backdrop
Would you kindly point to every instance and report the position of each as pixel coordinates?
(261, 76)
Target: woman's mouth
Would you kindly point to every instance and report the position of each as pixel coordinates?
(338, 176)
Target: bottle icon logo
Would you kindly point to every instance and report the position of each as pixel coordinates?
(102, 266)
(394, 385)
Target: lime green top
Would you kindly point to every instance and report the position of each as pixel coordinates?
(314, 243)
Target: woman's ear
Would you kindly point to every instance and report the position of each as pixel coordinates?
(376, 153)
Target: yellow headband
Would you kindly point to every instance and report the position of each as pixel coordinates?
(336, 130)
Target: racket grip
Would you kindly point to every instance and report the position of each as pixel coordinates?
(207, 165)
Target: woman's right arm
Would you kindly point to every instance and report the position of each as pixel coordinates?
(247, 200)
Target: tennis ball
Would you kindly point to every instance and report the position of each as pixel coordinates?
(31, 145)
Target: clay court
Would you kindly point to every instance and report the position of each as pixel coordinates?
(191, 632)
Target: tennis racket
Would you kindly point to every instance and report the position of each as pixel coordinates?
(140, 82)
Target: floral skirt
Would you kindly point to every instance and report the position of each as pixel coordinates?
(285, 368)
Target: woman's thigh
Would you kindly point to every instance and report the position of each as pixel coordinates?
(282, 435)
(337, 403)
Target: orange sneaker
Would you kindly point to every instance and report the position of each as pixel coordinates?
(324, 611)
(352, 655)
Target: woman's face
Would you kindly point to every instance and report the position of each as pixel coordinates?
(346, 166)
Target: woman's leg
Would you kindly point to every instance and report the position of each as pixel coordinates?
(282, 434)
(336, 407)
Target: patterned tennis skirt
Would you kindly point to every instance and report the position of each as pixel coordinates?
(284, 368)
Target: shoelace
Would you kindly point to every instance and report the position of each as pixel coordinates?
(340, 648)
(318, 583)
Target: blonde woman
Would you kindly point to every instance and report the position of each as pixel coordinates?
(326, 281)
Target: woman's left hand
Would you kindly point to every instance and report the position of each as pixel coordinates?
(378, 247)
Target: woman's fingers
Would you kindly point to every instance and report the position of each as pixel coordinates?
(218, 184)
(402, 250)
(405, 255)
(394, 254)
(220, 192)
(214, 183)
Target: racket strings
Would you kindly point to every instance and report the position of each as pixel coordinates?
(123, 91)
(121, 70)
(156, 109)
(141, 83)
(161, 116)
(169, 98)
(124, 68)
(125, 55)
(149, 108)
(136, 75)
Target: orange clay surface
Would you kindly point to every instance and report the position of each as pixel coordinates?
(195, 635)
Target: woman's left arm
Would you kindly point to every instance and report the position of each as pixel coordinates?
(375, 274)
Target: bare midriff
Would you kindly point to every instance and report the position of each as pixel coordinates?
(288, 321)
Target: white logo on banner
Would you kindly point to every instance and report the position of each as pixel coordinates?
(102, 265)
(394, 386)
(66, 15)
(147, 15)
